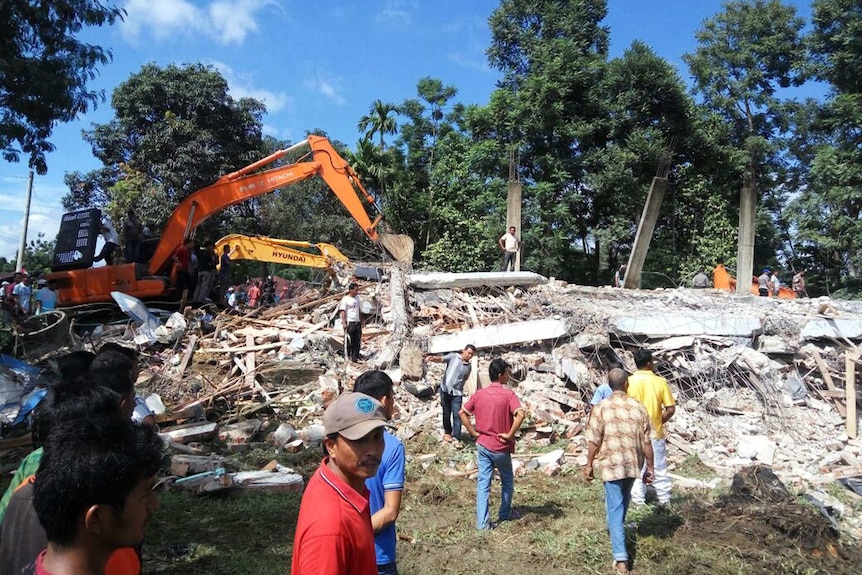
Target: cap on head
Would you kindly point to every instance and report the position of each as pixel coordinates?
(230, 289)
(353, 416)
(766, 270)
(42, 282)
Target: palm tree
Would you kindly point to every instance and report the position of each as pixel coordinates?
(379, 121)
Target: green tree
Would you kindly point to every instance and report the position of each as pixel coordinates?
(745, 55)
(428, 117)
(37, 257)
(549, 108)
(828, 209)
(178, 127)
(379, 120)
(44, 71)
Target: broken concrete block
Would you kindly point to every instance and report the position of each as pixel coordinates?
(277, 480)
(575, 371)
(312, 435)
(757, 447)
(555, 456)
(499, 335)
(692, 323)
(282, 435)
(190, 432)
(241, 432)
(294, 446)
(832, 328)
(592, 341)
(441, 280)
(410, 361)
(185, 465)
(551, 469)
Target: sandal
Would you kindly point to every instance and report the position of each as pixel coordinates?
(620, 567)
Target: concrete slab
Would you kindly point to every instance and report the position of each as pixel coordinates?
(832, 328)
(689, 324)
(499, 335)
(475, 280)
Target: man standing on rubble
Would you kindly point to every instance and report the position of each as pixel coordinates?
(385, 487)
(655, 395)
(763, 283)
(510, 244)
(458, 369)
(351, 320)
(499, 415)
(334, 535)
(618, 435)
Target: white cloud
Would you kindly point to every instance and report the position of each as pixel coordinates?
(280, 133)
(396, 12)
(241, 87)
(326, 84)
(467, 62)
(46, 210)
(223, 21)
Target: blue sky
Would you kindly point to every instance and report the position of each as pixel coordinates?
(315, 65)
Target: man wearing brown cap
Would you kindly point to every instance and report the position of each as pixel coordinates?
(333, 533)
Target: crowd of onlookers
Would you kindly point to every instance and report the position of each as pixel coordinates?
(20, 300)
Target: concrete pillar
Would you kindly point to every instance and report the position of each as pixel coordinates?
(513, 215)
(745, 246)
(643, 237)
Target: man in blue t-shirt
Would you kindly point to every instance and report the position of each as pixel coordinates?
(385, 488)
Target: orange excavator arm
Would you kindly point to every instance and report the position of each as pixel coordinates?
(242, 185)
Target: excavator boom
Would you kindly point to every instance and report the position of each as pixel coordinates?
(150, 280)
(242, 185)
(264, 249)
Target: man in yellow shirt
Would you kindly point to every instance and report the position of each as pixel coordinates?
(654, 393)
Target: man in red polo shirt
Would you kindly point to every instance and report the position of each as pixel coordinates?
(333, 533)
(498, 416)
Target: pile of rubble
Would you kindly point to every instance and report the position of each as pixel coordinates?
(757, 380)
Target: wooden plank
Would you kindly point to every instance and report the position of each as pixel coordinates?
(681, 445)
(261, 347)
(824, 371)
(850, 388)
(249, 362)
(15, 442)
(193, 343)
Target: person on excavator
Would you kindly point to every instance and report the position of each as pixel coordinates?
(112, 243)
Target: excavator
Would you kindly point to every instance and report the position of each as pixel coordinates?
(77, 283)
(273, 250)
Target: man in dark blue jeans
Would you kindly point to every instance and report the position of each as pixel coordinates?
(458, 369)
(498, 415)
(618, 435)
(386, 487)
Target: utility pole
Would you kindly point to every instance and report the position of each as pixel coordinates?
(23, 243)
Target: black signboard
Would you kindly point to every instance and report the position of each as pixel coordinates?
(76, 240)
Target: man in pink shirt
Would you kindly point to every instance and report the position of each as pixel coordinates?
(498, 415)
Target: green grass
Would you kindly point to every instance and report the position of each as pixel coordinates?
(243, 533)
(562, 530)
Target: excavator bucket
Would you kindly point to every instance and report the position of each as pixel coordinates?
(399, 246)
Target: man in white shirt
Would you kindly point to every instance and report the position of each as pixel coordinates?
(46, 298)
(112, 242)
(510, 244)
(351, 321)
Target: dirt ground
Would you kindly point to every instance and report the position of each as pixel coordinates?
(562, 530)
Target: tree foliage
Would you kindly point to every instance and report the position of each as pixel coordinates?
(178, 127)
(44, 71)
